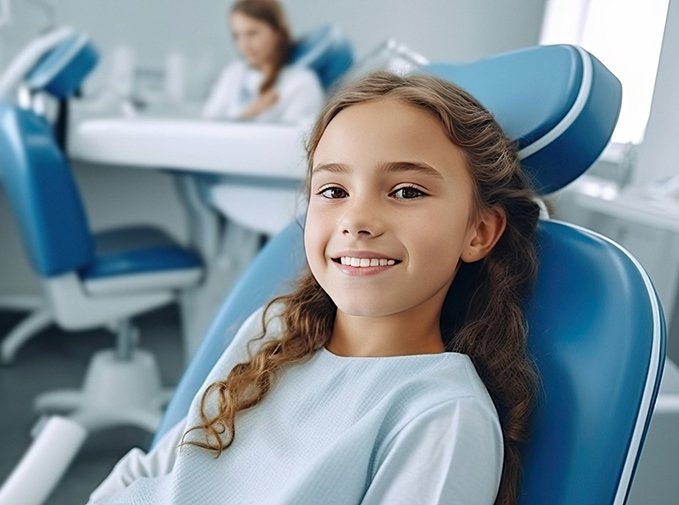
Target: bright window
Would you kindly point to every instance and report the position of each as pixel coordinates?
(626, 36)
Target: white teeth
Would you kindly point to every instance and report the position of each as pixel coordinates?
(366, 262)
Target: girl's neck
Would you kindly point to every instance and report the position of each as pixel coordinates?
(400, 334)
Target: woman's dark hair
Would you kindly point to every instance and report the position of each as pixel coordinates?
(270, 12)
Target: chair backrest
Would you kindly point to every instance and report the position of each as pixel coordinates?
(596, 330)
(558, 102)
(62, 70)
(21, 64)
(597, 335)
(56, 62)
(326, 51)
(42, 193)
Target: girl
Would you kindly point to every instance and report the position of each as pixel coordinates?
(262, 87)
(396, 373)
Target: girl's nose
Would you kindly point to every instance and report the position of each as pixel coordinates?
(362, 219)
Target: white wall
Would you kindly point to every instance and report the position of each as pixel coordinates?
(439, 29)
(657, 155)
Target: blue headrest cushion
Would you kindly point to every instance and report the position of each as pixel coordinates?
(62, 71)
(326, 51)
(42, 194)
(559, 103)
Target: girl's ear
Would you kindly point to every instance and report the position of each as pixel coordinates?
(484, 234)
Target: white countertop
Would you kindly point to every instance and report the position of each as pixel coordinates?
(256, 150)
(634, 204)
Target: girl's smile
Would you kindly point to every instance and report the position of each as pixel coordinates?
(363, 262)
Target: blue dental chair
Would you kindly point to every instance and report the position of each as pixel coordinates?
(54, 65)
(90, 280)
(326, 51)
(596, 328)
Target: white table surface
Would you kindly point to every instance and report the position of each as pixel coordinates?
(255, 150)
(630, 204)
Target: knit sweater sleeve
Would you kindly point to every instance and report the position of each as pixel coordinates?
(451, 453)
(137, 464)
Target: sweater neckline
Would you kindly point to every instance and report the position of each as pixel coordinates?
(404, 357)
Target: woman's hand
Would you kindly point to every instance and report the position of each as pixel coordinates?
(263, 102)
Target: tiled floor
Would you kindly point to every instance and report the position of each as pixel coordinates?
(56, 359)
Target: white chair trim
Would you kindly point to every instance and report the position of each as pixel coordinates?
(142, 282)
(75, 310)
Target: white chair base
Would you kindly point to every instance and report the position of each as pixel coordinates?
(116, 392)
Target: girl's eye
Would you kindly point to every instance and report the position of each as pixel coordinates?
(408, 193)
(333, 192)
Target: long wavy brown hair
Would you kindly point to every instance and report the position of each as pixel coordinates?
(482, 315)
(270, 12)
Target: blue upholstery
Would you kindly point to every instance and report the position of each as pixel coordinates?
(598, 338)
(569, 105)
(326, 51)
(138, 249)
(62, 71)
(52, 220)
(42, 193)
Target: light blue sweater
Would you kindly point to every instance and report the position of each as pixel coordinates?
(334, 430)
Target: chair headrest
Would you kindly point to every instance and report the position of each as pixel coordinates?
(326, 51)
(559, 103)
(62, 70)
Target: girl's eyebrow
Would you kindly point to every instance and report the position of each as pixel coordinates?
(390, 166)
(330, 167)
(420, 167)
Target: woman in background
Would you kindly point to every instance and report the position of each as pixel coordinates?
(262, 86)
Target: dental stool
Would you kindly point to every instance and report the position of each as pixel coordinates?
(55, 65)
(90, 281)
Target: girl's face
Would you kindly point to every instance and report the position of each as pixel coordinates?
(255, 40)
(391, 211)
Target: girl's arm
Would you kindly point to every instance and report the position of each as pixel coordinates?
(136, 464)
(449, 454)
